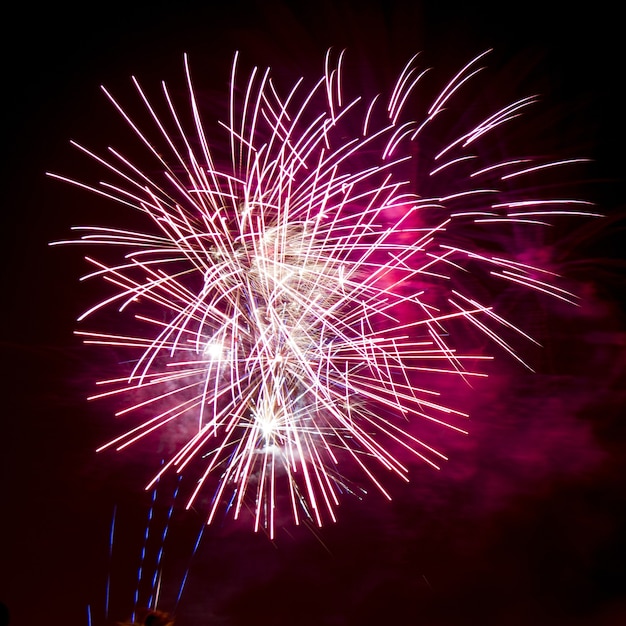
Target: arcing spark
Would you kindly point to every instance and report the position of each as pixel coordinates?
(291, 287)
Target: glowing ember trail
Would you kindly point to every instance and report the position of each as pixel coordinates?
(289, 299)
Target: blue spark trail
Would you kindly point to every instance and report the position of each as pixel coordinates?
(108, 586)
(184, 581)
(143, 552)
(153, 597)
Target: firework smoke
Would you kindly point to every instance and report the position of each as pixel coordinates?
(292, 294)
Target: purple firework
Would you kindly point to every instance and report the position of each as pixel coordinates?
(292, 293)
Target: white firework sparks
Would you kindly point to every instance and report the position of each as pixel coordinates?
(287, 298)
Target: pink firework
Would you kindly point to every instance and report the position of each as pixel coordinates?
(292, 293)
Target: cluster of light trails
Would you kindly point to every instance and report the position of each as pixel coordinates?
(291, 287)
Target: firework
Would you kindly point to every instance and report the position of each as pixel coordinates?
(150, 570)
(291, 292)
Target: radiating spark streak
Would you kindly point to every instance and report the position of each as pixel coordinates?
(328, 75)
(508, 220)
(540, 202)
(436, 370)
(404, 131)
(442, 167)
(522, 266)
(89, 188)
(498, 166)
(408, 446)
(490, 260)
(555, 292)
(465, 194)
(456, 82)
(179, 158)
(493, 336)
(544, 166)
(552, 212)
(117, 171)
(115, 234)
(433, 325)
(287, 295)
(399, 105)
(498, 318)
(481, 214)
(155, 399)
(138, 132)
(402, 93)
(403, 79)
(150, 425)
(505, 114)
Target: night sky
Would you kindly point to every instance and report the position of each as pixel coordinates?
(526, 524)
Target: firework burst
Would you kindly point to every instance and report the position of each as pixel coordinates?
(291, 291)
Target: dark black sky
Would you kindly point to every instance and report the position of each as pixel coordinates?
(527, 522)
